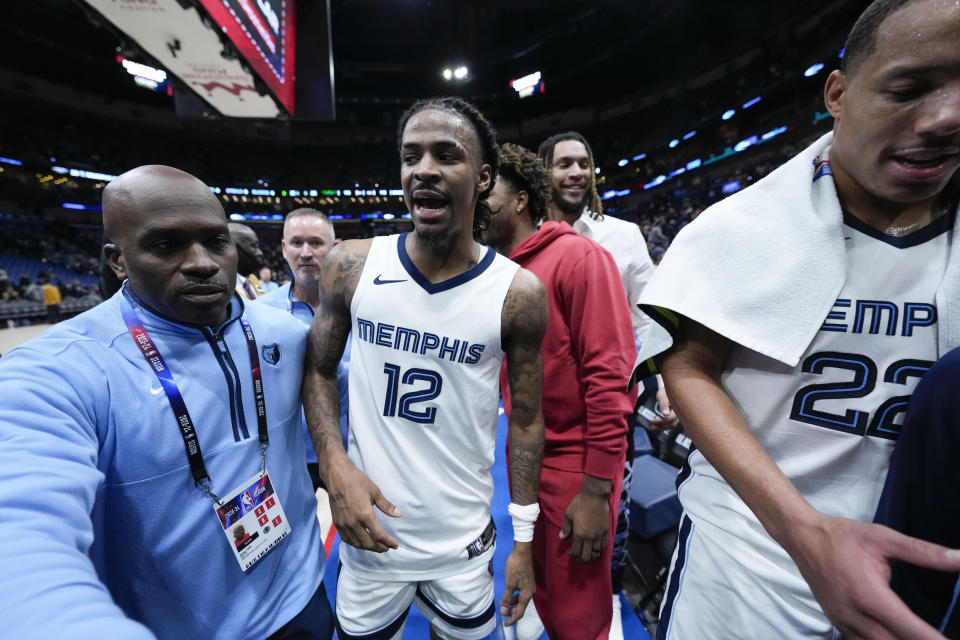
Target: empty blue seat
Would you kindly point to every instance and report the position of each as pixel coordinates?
(654, 505)
(641, 442)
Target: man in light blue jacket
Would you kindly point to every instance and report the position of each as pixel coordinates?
(137, 439)
(308, 236)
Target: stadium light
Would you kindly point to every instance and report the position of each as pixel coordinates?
(640, 156)
(460, 73)
(750, 103)
(448, 74)
(689, 135)
(813, 70)
(743, 144)
(623, 162)
(596, 170)
(729, 113)
(673, 143)
(528, 85)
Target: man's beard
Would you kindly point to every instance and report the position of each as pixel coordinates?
(570, 207)
(434, 241)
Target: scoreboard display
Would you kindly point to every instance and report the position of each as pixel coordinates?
(263, 32)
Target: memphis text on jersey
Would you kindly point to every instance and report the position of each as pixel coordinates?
(419, 342)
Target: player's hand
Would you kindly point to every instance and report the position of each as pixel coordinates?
(847, 565)
(352, 496)
(519, 583)
(587, 518)
(669, 419)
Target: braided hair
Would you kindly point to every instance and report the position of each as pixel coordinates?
(594, 204)
(524, 171)
(486, 135)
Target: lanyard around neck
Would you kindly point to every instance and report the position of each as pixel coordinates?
(185, 423)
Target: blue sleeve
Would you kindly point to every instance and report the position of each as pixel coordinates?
(920, 497)
(48, 483)
(343, 370)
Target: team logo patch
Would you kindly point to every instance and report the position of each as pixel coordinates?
(271, 353)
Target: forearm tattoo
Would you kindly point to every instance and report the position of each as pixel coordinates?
(325, 344)
(525, 313)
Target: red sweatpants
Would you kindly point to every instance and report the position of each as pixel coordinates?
(572, 598)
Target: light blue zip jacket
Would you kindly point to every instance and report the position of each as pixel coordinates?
(282, 298)
(100, 521)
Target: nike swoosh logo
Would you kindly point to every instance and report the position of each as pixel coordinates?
(377, 280)
(156, 392)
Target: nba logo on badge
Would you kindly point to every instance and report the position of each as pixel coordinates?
(271, 353)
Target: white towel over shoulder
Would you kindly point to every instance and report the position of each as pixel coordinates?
(764, 267)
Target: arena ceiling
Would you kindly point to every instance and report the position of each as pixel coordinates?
(390, 52)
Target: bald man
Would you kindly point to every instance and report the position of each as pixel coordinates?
(249, 261)
(140, 434)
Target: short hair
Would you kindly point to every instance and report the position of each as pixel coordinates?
(307, 211)
(862, 41)
(524, 170)
(594, 204)
(486, 135)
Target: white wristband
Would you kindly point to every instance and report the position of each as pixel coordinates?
(524, 516)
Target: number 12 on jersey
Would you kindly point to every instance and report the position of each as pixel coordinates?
(403, 406)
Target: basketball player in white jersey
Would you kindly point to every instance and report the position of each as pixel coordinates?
(776, 540)
(432, 314)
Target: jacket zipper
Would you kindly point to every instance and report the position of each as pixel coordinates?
(234, 387)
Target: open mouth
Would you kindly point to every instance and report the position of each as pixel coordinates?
(926, 163)
(427, 204)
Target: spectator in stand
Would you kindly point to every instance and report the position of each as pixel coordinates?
(29, 290)
(7, 292)
(266, 280)
(51, 300)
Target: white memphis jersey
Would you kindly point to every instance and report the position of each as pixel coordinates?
(424, 389)
(831, 422)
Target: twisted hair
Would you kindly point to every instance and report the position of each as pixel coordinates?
(524, 170)
(594, 204)
(862, 41)
(486, 135)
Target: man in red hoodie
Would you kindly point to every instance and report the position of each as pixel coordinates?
(588, 350)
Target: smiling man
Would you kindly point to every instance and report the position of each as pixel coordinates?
(432, 315)
(589, 350)
(795, 319)
(139, 435)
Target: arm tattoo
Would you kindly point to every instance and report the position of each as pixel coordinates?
(325, 344)
(525, 313)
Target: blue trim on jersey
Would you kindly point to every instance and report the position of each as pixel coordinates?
(460, 623)
(446, 285)
(686, 471)
(676, 577)
(953, 604)
(384, 633)
(940, 225)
